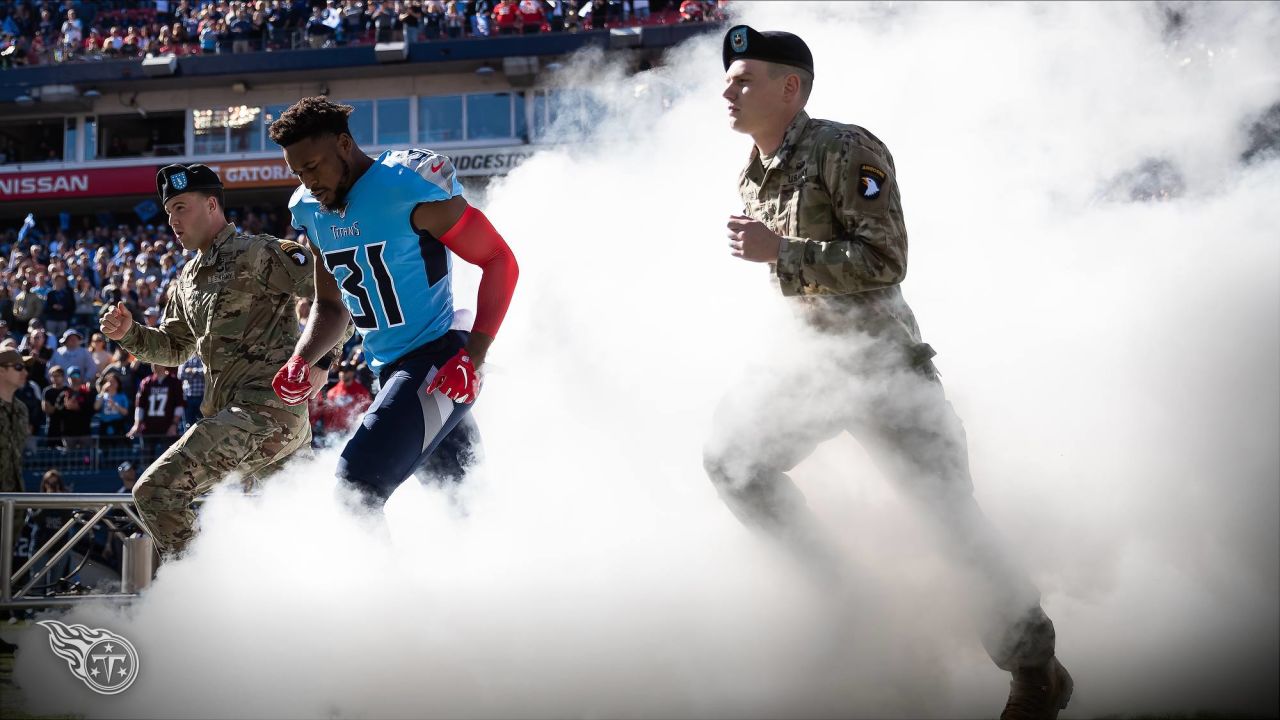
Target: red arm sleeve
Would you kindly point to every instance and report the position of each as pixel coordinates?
(475, 240)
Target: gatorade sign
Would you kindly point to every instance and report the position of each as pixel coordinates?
(243, 174)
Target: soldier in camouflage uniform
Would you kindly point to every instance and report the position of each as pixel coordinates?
(233, 305)
(14, 423)
(822, 206)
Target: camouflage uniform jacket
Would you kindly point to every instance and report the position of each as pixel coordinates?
(14, 429)
(233, 305)
(830, 191)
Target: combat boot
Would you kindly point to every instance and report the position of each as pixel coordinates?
(1038, 693)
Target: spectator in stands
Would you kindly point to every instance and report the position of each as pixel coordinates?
(506, 17)
(353, 20)
(36, 343)
(72, 355)
(99, 352)
(49, 400)
(302, 310)
(240, 29)
(41, 525)
(224, 37)
(383, 20)
(346, 401)
(158, 409)
(86, 301)
(130, 44)
(277, 25)
(164, 44)
(146, 294)
(209, 38)
(261, 33)
(27, 305)
(531, 16)
(128, 478)
(318, 33)
(152, 316)
(168, 267)
(13, 50)
(30, 394)
(74, 410)
(692, 11)
(59, 305)
(47, 29)
(72, 35)
(126, 366)
(412, 23)
(191, 373)
(111, 294)
(113, 43)
(556, 14)
(15, 424)
(146, 41)
(111, 408)
(180, 37)
(37, 367)
(92, 45)
(363, 373)
(454, 20)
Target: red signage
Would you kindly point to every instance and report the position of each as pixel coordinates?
(60, 184)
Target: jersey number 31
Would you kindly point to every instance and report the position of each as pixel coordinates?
(353, 284)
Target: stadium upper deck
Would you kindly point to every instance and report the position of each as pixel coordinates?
(88, 136)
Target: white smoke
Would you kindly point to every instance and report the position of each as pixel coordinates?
(1115, 364)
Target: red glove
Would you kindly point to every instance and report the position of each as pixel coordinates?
(458, 379)
(292, 382)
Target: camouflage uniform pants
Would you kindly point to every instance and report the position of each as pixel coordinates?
(251, 439)
(902, 418)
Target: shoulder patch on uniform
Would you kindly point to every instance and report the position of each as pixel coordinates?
(871, 181)
(430, 166)
(295, 251)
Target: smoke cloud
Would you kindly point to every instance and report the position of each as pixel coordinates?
(1094, 262)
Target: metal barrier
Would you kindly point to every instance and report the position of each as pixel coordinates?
(89, 511)
(92, 457)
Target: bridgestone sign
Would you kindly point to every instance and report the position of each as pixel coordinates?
(490, 161)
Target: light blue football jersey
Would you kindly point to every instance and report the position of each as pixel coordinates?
(395, 281)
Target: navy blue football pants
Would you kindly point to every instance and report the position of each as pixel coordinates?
(407, 431)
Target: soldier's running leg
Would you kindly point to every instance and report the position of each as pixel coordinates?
(290, 439)
(245, 438)
(757, 436)
(916, 438)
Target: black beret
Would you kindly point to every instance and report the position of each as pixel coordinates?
(745, 43)
(173, 180)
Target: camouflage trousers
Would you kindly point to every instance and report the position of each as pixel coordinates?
(900, 415)
(253, 440)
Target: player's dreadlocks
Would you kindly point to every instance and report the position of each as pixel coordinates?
(309, 117)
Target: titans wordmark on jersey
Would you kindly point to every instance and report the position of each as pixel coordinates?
(395, 281)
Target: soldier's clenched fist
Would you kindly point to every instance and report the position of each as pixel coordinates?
(117, 321)
(752, 240)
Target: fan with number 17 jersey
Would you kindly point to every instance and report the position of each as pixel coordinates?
(395, 281)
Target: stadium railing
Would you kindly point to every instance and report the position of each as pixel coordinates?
(90, 459)
(65, 568)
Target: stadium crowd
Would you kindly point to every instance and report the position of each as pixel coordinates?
(43, 31)
(82, 391)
